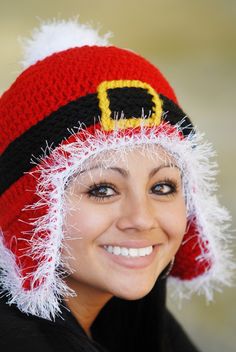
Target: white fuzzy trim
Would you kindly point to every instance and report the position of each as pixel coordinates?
(43, 301)
(192, 156)
(58, 35)
(213, 221)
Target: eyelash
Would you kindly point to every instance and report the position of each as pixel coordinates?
(96, 186)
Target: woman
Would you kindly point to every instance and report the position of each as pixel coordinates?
(109, 191)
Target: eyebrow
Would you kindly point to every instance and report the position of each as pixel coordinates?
(125, 173)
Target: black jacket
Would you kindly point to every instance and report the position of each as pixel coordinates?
(124, 326)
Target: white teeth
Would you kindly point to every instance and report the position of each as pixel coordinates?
(129, 252)
(142, 251)
(124, 251)
(133, 252)
(116, 250)
(109, 249)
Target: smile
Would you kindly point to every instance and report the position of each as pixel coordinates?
(130, 257)
(129, 252)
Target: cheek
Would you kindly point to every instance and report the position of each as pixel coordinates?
(173, 220)
(86, 220)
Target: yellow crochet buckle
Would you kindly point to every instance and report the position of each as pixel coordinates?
(109, 124)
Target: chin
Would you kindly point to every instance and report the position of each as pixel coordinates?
(134, 292)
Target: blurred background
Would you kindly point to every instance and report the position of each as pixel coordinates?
(194, 45)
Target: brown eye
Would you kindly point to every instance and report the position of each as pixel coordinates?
(101, 191)
(164, 188)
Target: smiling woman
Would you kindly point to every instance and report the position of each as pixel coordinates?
(131, 236)
(121, 199)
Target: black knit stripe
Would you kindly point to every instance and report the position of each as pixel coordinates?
(16, 158)
(173, 114)
(132, 102)
(54, 128)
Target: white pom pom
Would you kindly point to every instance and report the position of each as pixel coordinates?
(58, 35)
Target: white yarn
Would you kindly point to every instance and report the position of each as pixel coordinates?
(58, 35)
(193, 158)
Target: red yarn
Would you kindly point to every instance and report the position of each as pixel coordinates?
(42, 89)
(186, 265)
(66, 76)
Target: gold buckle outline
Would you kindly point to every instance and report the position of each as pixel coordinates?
(109, 124)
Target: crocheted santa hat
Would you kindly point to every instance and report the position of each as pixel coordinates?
(78, 97)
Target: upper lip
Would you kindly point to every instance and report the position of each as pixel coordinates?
(131, 244)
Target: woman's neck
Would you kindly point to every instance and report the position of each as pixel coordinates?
(87, 303)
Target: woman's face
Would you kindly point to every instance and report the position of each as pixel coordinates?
(124, 223)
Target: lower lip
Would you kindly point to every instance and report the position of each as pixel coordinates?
(132, 262)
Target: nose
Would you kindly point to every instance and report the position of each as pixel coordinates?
(139, 215)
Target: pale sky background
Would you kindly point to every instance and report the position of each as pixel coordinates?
(194, 45)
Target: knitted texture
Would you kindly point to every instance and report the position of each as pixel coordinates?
(39, 91)
(102, 89)
(65, 76)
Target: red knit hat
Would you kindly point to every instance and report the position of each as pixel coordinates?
(71, 103)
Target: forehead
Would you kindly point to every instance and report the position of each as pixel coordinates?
(130, 154)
